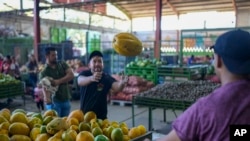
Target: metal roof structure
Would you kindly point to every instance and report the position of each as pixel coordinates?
(147, 8)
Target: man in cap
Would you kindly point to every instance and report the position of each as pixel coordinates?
(209, 119)
(95, 86)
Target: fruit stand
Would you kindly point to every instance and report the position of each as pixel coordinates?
(77, 126)
(173, 96)
(10, 87)
(161, 73)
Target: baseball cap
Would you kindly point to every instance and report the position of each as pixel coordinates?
(95, 53)
(234, 48)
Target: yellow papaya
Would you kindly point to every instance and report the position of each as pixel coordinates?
(19, 128)
(20, 138)
(56, 125)
(127, 44)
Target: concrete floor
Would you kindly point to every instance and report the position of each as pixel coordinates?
(115, 113)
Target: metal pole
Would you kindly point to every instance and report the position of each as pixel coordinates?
(158, 29)
(37, 35)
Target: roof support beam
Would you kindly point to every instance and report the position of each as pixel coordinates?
(234, 6)
(68, 5)
(172, 7)
(123, 10)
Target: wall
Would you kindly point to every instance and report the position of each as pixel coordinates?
(243, 18)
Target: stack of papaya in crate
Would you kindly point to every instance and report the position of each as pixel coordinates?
(20, 125)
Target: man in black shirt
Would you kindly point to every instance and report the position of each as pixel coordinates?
(95, 85)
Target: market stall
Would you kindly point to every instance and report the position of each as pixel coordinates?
(172, 96)
(10, 87)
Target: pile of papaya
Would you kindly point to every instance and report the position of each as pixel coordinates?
(20, 125)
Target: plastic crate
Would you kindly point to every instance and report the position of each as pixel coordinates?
(162, 103)
(10, 90)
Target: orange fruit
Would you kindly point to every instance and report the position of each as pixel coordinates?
(78, 114)
(84, 136)
(69, 135)
(105, 121)
(117, 134)
(93, 120)
(94, 124)
(142, 129)
(74, 127)
(123, 124)
(109, 131)
(101, 138)
(124, 130)
(83, 126)
(89, 116)
(126, 138)
(52, 113)
(96, 131)
(134, 132)
(72, 121)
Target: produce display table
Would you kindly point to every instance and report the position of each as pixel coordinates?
(177, 73)
(11, 90)
(162, 73)
(148, 135)
(153, 103)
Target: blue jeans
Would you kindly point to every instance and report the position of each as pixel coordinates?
(49, 106)
(62, 108)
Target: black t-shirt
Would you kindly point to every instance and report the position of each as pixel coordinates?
(94, 95)
(32, 65)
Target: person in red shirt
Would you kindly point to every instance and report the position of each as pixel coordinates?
(6, 65)
(1, 62)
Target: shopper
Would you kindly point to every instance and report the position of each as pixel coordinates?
(61, 74)
(32, 71)
(95, 85)
(6, 65)
(209, 119)
(1, 62)
(81, 66)
(191, 60)
(38, 92)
